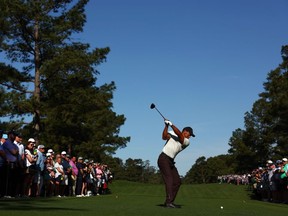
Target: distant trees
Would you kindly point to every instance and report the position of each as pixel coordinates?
(264, 135)
(135, 170)
(207, 171)
(266, 125)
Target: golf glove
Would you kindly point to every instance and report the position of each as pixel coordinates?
(169, 123)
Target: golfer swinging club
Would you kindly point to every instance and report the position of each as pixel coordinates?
(176, 141)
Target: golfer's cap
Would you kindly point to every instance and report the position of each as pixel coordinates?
(63, 153)
(31, 140)
(284, 159)
(190, 130)
(48, 154)
(41, 147)
(50, 151)
(80, 158)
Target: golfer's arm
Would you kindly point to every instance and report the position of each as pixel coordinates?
(178, 133)
(165, 134)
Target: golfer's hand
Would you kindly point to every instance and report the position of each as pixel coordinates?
(168, 123)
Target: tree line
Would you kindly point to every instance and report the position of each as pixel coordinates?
(263, 138)
(49, 91)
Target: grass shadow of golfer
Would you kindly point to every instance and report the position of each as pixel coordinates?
(28, 204)
(164, 206)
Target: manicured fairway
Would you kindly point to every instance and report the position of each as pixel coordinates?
(142, 199)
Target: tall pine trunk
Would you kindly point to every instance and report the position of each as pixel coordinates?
(36, 120)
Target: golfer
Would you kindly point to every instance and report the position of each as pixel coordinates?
(176, 141)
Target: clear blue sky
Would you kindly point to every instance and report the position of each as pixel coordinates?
(203, 64)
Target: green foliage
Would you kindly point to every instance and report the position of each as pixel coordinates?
(135, 170)
(266, 125)
(52, 83)
(207, 171)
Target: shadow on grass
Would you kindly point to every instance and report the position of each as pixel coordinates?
(35, 204)
(164, 206)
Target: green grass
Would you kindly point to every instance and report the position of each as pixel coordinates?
(143, 199)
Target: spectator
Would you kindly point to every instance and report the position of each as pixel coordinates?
(59, 176)
(3, 137)
(67, 172)
(85, 177)
(11, 151)
(38, 178)
(91, 187)
(49, 176)
(52, 155)
(276, 182)
(271, 168)
(21, 165)
(79, 180)
(73, 176)
(30, 160)
(99, 174)
(284, 175)
(2, 169)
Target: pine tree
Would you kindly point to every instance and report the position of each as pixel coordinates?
(52, 78)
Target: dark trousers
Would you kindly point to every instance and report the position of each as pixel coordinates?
(170, 176)
(79, 182)
(11, 179)
(2, 180)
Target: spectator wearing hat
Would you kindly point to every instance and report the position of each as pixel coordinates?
(85, 176)
(30, 161)
(67, 172)
(276, 180)
(270, 166)
(2, 169)
(74, 173)
(52, 155)
(49, 175)
(38, 178)
(59, 176)
(284, 175)
(22, 166)
(79, 180)
(284, 168)
(12, 152)
(18, 142)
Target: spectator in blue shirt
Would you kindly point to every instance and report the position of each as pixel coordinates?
(11, 151)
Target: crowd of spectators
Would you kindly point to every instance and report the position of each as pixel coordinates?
(268, 183)
(30, 170)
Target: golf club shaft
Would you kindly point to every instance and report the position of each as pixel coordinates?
(160, 113)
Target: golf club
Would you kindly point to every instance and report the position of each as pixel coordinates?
(152, 106)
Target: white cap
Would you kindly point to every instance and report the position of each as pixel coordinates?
(48, 154)
(63, 153)
(284, 159)
(41, 147)
(50, 151)
(270, 162)
(31, 140)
